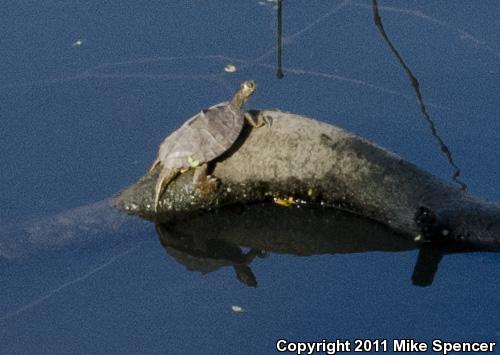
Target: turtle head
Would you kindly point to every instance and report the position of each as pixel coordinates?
(246, 90)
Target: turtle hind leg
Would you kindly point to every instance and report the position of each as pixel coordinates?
(166, 176)
(154, 165)
(202, 182)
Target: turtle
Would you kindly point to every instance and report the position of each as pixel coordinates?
(201, 139)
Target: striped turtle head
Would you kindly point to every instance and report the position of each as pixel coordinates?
(246, 90)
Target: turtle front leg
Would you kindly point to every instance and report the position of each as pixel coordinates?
(258, 121)
(166, 176)
(202, 182)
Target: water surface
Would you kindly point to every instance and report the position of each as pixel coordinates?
(90, 89)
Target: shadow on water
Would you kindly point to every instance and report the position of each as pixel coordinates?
(416, 86)
(210, 241)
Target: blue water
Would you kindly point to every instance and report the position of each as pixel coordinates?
(81, 121)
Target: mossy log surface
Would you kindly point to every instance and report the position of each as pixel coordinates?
(319, 163)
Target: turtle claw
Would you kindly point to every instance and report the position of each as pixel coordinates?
(268, 121)
(209, 186)
(259, 121)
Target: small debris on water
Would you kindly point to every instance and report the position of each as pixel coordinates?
(230, 68)
(77, 43)
(237, 309)
(417, 238)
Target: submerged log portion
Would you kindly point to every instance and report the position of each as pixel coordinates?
(322, 164)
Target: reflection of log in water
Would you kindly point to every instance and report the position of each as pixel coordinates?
(210, 241)
(292, 230)
(95, 224)
(416, 86)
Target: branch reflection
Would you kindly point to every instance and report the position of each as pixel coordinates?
(416, 86)
(279, 72)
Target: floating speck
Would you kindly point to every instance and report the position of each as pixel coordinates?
(230, 68)
(417, 238)
(77, 43)
(237, 309)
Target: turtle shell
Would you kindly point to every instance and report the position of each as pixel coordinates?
(203, 137)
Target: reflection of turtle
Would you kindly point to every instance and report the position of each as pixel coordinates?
(208, 255)
(201, 139)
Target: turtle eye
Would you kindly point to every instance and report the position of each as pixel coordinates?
(249, 85)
